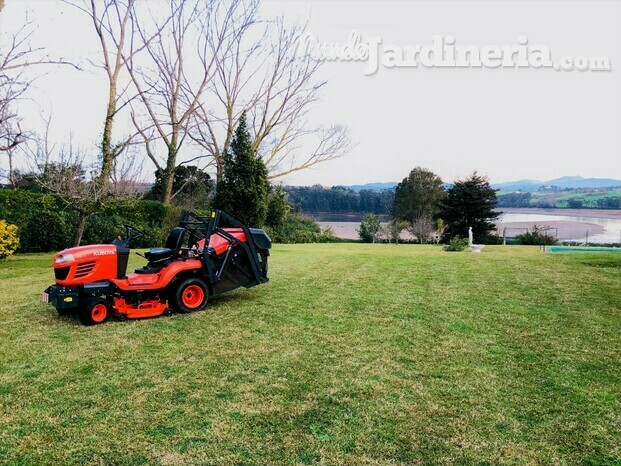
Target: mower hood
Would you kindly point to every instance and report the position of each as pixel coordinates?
(92, 251)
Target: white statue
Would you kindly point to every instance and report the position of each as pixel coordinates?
(476, 248)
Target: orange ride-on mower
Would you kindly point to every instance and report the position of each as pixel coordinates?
(203, 257)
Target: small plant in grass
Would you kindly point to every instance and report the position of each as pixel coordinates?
(9, 239)
(457, 244)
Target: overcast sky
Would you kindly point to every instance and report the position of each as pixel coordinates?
(506, 123)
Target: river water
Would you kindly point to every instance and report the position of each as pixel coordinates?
(600, 226)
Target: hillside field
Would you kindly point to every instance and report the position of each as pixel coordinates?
(352, 354)
(560, 199)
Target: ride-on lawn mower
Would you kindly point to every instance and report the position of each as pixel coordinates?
(203, 257)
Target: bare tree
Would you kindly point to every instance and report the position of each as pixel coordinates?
(16, 56)
(112, 20)
(422, 228)
(72, 178)
(10, 174)
(125, 176)
(167, 90)
(73, 175)
(261, 72)
(110, 24)
(11, 133)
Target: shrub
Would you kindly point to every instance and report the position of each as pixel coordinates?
(48, 231)
(300, 229)
(9, 239)
(277, 207)
(17, 206)
(538, 236)
(102, 229)
(152, 237)
(46, 223)
(369, 228)
(457, 244)
(137, 211)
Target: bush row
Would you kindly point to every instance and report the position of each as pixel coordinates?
(300, 229)
(47, 223)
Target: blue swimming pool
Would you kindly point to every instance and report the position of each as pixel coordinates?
(580, 249)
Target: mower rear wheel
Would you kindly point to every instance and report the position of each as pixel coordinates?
(94, 311)
(190, 295)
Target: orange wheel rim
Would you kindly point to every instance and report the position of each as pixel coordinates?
(193, 296)
(99, 312)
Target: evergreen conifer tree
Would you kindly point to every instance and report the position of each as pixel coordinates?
(470, 203)
(244, 187)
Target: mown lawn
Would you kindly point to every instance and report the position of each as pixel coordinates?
(351, 354)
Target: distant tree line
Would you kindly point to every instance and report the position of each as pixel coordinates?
(338, 199)
(515, 200)
(609, 203)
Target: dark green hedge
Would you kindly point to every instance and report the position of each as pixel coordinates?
(47, 223)
(300, 229)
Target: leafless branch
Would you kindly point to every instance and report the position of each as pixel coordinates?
(169, 94)
(261, 72)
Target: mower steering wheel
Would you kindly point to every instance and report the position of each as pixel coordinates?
(136, 232)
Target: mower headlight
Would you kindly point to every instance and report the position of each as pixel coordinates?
(64, 258)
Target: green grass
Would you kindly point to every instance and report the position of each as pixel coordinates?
(351, 354)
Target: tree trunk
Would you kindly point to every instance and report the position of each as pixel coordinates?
(219, 169)
(106, 143)
(80, 230)
(11, 180)
(169, 174)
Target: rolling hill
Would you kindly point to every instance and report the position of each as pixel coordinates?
(572, 182)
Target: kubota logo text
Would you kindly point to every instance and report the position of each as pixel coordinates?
(103, 253)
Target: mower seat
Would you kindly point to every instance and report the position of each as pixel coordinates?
(170, 249)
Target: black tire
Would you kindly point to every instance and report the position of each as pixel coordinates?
(189, 295)
(95, 311)
(168, 312)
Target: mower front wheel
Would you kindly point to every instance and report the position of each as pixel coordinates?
(94, 311)
(190, 295)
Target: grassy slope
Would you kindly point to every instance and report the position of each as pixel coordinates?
(352, 353)
(560, 199)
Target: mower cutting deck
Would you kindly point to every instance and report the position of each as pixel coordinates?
(202, 257)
